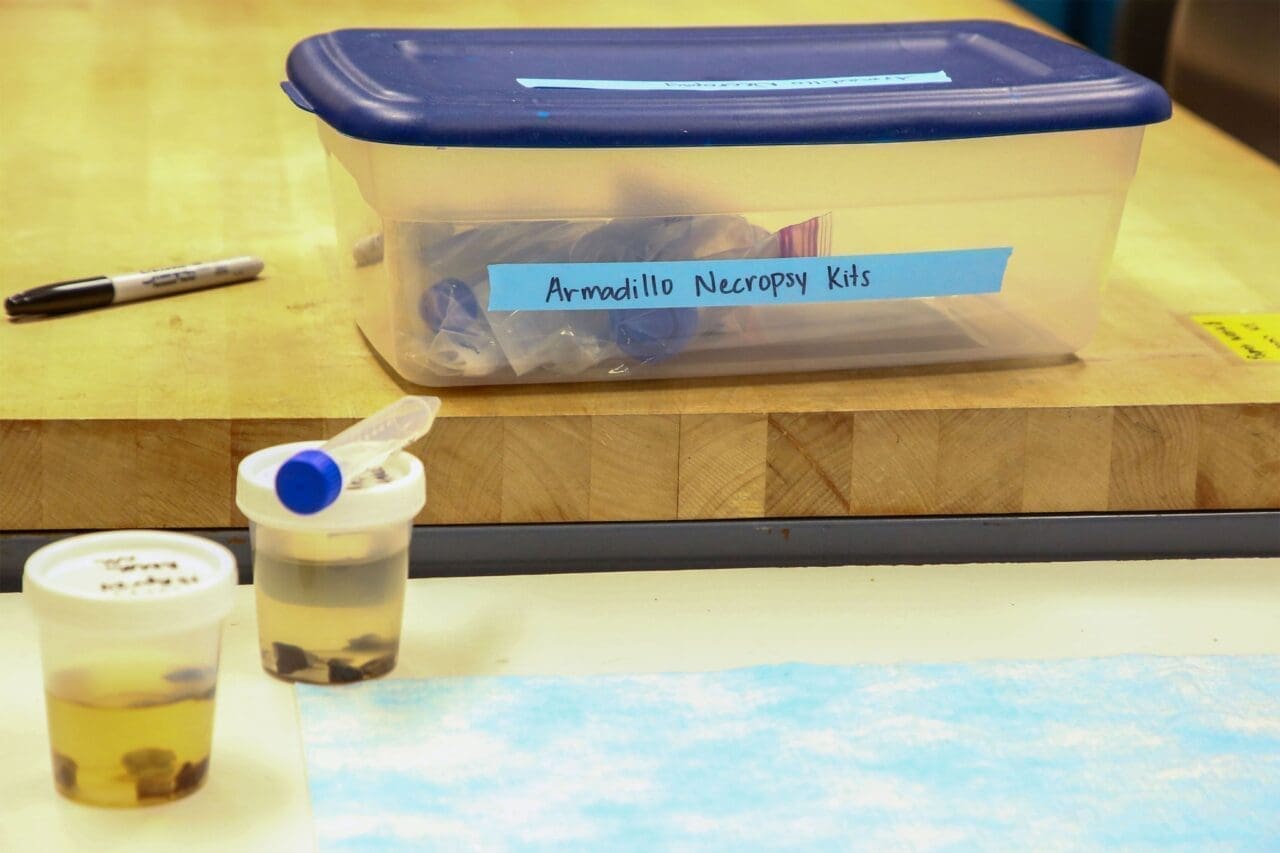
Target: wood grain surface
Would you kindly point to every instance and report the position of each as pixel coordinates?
(138, 134)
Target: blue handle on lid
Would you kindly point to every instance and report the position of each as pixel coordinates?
(294, 95)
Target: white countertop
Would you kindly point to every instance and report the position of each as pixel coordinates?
(256, 799)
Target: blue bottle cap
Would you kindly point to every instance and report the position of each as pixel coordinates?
(308, 482)
(450, 305)
(652, 335)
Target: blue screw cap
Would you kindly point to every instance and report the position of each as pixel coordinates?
(449, 305)
(652, 335)
(308, 482)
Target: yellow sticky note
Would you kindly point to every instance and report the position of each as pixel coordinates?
(1253, 337)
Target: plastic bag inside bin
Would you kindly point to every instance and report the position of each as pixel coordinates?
(448, 284)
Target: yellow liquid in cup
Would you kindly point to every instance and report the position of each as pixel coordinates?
(329, 623)
(114, 744)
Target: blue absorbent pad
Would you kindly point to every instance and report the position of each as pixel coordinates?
(1134, 753)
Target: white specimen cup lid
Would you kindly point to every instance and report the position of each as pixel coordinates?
(391, 494)
(131, 582)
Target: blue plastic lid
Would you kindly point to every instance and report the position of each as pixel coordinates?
(711, 86)
(308, 482)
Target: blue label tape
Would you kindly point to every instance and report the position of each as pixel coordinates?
(754, 281)
(735, 85)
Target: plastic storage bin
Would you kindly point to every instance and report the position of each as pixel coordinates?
(555, 205)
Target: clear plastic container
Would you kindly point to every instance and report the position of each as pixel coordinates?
(130, 629)
(742, 152)
(329, 586)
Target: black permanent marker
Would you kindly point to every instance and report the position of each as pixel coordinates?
(63, 297)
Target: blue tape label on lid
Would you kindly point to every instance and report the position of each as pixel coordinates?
(753, 281)
(736, 85)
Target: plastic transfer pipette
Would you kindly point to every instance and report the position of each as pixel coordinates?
(311, 480)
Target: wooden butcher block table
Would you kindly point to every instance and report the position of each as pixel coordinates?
(138, 135)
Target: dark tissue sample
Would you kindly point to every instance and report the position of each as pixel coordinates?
(154, 776)
(191, 775)
(64, 770)
(148, 760)
(189, 674)
(154, 785)
(341, 672)
(152, 771)
(378, 666)
(194, 675)
(289, 659)
(369, 643)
